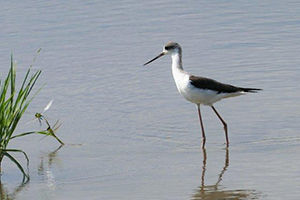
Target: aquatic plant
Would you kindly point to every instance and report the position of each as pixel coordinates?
(13, 104)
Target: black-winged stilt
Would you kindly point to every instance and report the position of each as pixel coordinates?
(200, 90)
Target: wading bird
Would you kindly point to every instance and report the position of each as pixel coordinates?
(200, 90)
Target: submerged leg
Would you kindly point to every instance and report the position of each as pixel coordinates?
(202, 127)
(224, 124)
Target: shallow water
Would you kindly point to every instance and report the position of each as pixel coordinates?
(128, 133)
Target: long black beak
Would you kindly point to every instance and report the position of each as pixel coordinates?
(160, 55)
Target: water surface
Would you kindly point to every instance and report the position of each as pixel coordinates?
(128, 132)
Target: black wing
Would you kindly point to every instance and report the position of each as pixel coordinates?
(210, 84)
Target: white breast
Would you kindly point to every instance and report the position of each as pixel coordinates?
(185, 88)
(193, 94)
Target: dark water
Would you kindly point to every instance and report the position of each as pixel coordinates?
(129, 134)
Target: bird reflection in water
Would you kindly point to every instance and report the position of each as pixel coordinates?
(215, 191)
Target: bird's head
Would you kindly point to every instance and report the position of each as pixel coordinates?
(169, 48)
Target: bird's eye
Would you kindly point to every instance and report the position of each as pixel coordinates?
(169, 47)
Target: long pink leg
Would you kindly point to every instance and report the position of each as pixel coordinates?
(202, 128)
(224, 124)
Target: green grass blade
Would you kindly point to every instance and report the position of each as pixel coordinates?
(25, 176)
(19, 151)
(12, 80)
(37, 53)
(30, 133)
(22, 134)
(61, 142)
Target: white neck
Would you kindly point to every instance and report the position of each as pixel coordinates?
(179, 74)
(176, 62)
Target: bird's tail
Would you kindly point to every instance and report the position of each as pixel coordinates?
(253, 90)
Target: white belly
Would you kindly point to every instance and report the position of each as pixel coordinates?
(199, 96)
